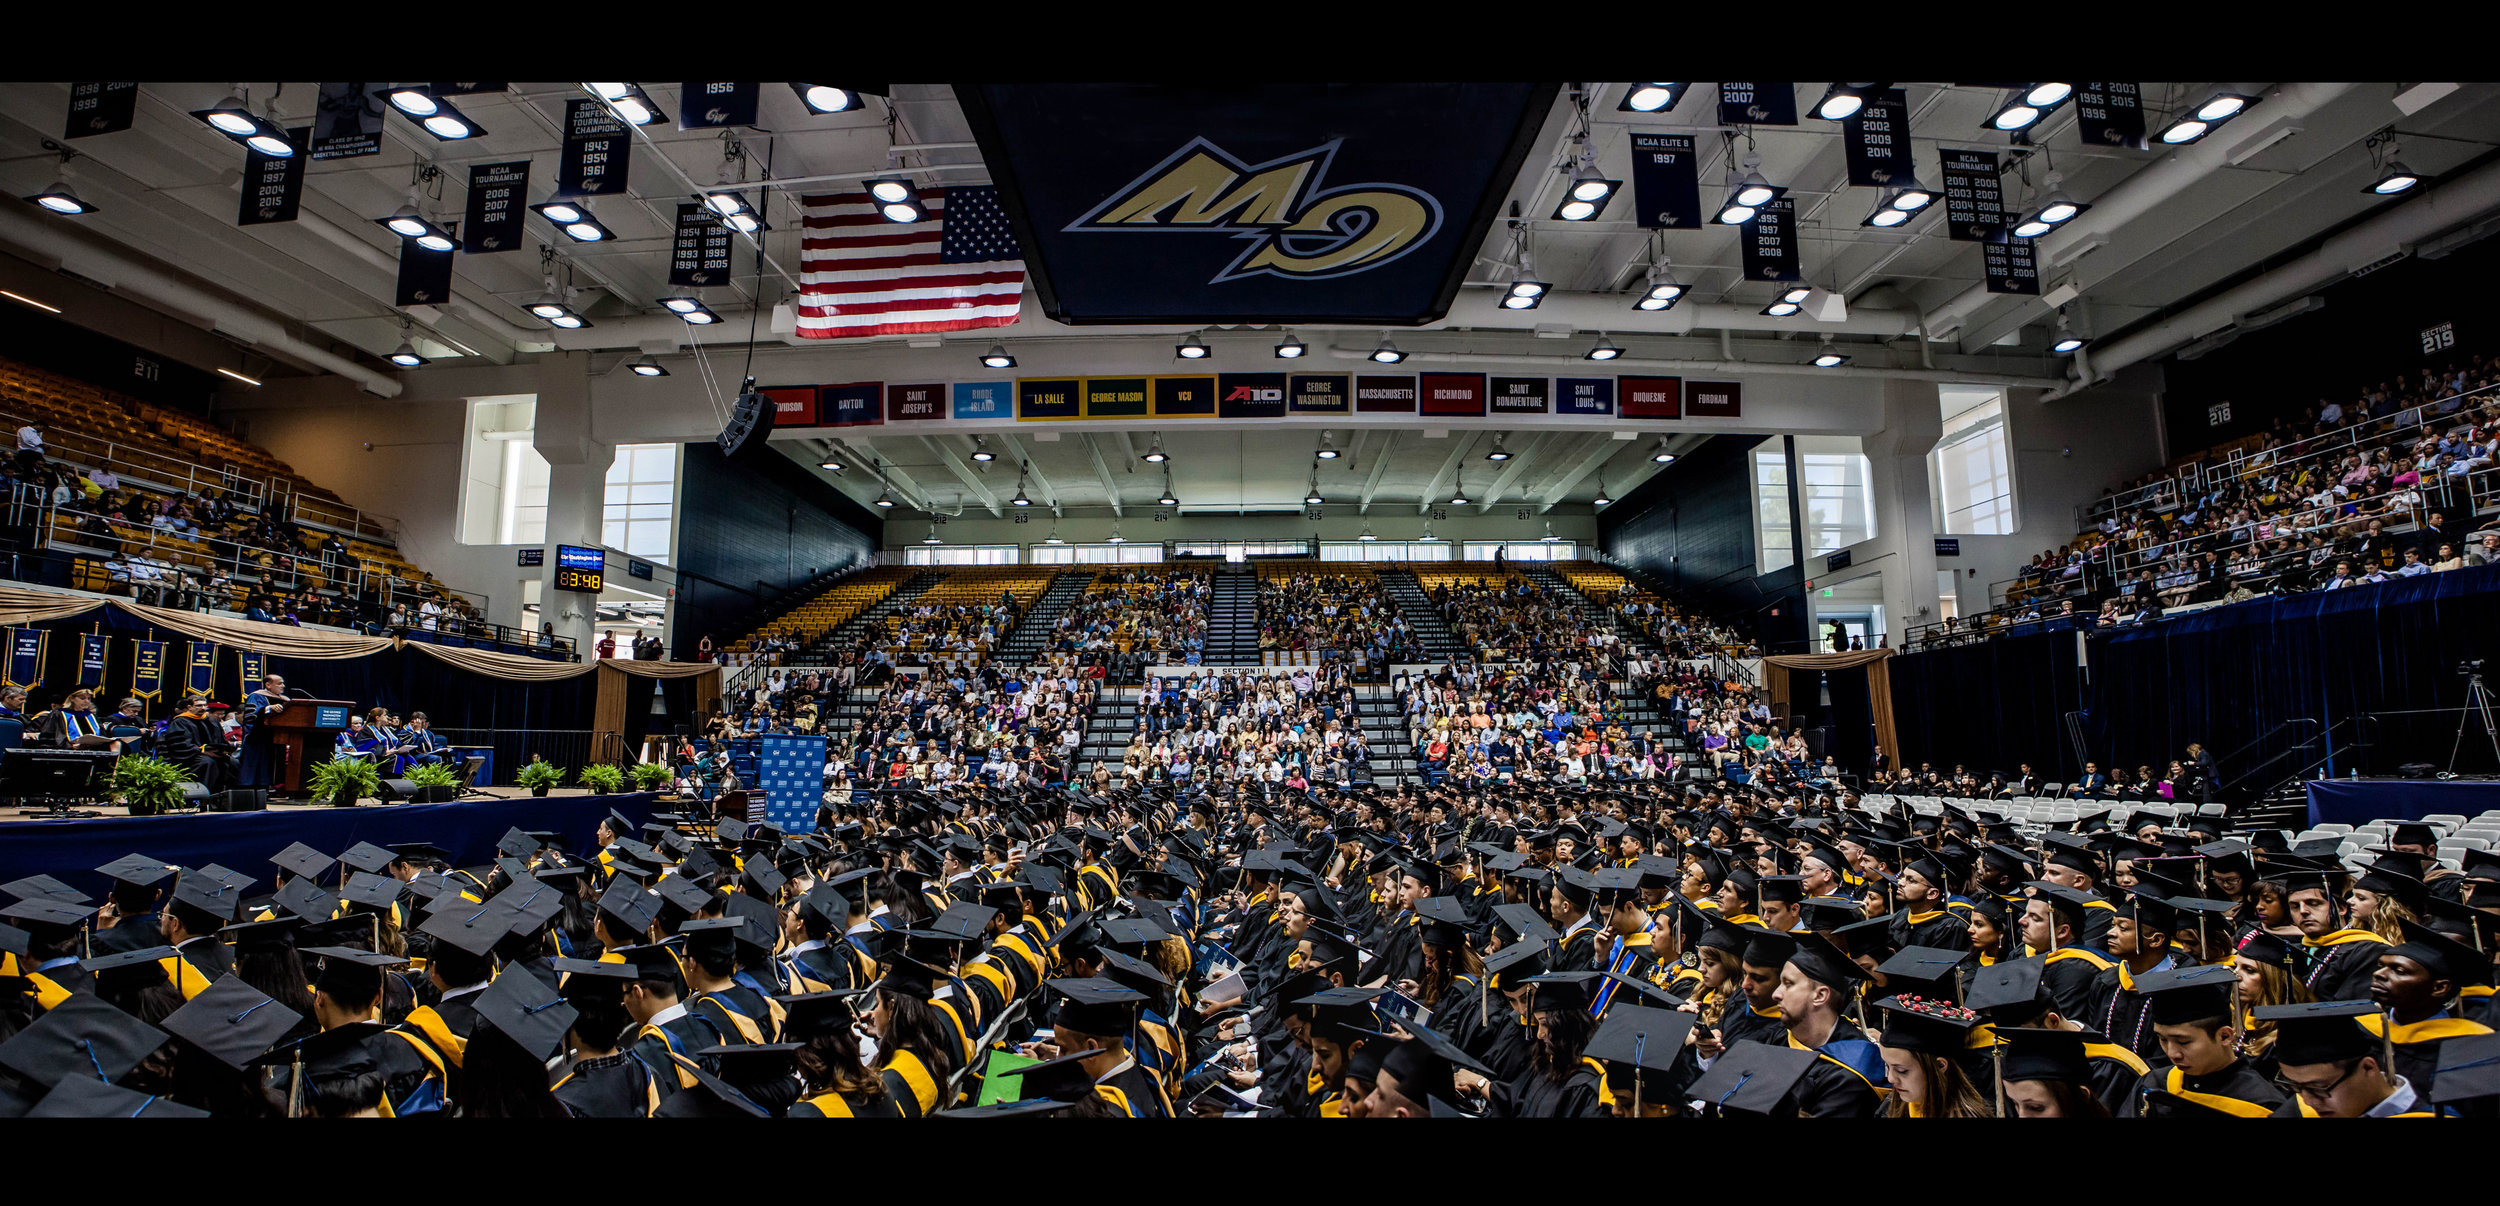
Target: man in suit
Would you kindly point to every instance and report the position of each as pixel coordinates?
(261, 751)
(425, 746)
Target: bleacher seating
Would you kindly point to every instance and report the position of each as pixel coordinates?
(826, 610)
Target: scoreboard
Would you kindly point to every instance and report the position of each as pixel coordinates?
(581, 569)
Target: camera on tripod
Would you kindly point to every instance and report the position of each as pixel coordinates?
(2470, 668)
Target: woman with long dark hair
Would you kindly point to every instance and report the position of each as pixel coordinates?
(1560, 1082)
(500, 1079)
(915, 1049)
(1923, 1041)
(835, 1082)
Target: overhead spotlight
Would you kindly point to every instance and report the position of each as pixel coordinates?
(1154, 451)
(631, 104)
(1192, 348)
(235, 120)
(414, 100)
(1387, 352)
(830, 465)
(826, 98)
(897, 198)
(1549, 537)
(1780, 309)
(932, 537)
(647, 367)
(1602, 498)
(1659, 453)
(2015, 113)
(997, 357)
(1797, 294)
(1458, 495)
(1885, 216)
(558, 311)
(1020, 500)
(575, 220)
(1603, 349)
(1746, 194)
(1910, 195)
(2068, 341)
(2219, 106)
(2054, 210)
(691, 308)
(408, 224)
(1829, 358)
(1167, 499)
(1497, 452)
(981, 449)
(448, 124)
(1367, 533)
(61, 199)
(1650, 98)
(1663, 291)
(1328, 447)
(1525, 293)
(885, 499)
(1842, 101)
(1115, 537)
(1587, 196)
(1313, 498)
(405, 355)
(734, 210)
(2396, 178)
(1053, 538)
(1292, 348)
(2048, 96)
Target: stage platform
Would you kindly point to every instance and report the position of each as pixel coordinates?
(243, 841)
(2360, 801)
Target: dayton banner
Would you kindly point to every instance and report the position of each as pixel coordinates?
(1255, 201)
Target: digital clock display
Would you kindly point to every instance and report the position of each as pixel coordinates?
(581, 569)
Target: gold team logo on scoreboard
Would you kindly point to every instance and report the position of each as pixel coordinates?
(1294, 228)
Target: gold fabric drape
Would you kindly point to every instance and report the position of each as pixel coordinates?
(19, 606)
(1878, 665)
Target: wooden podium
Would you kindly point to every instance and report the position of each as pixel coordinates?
(302, 723)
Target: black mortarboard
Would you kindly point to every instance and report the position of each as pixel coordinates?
(472, 928)
(1130, 931)
(528, 1012)
(2469, 1068)
(137, 870)
(208, 894)
(1828, 913)
(2045, 1054)
(2320, 1032)
(301, 860)
(82, 1097)
(530, 904)
(1530, 956)
(307, 900)
(713, 939)
(275, 934)
(1753, 1077)
(2188, 994)
(1926, 1024)
(2444, 957)
(1524, 923)
(83, 1036)
(819, 1013)
(1765, 947)
(1097, 1005)
(1925, 972)
(365, 856)
(419, 852)
(350, 972)
(684, 893)
(371, 891)
(1816, 957)
(710, 1097)
(232, 1021)
(517, 843)
(41, 915)
(43, 887)
(2007, 991)
(1422, 1065)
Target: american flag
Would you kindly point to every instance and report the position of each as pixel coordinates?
(956, 270)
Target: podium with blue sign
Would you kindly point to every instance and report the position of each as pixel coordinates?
(304, 722)
(791, 770)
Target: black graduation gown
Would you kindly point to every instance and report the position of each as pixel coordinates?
(2075, 985)
(2342, 972)
(1942, 928)
(2115, 1070)
(130, 934)
(1540, 1096)
(1832, 1088)
(616, 1086)
(1742, 1023)
(846, 1105)
(1140, 1090)
(2241, 1082)
(211, 957)
(2126, 1016)
(830, 964)
(1401, 954)
(1507, 1049)
(200, 748)
(2417, 1050)
(409, 1083)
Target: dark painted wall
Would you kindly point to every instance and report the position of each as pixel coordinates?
(2369, 331)
(38, 339)
(748, 531)
(1691, 525)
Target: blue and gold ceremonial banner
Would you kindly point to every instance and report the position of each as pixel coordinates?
(25, 664)
(253, 665)
(201, 662)
(91, 651)
(147, 676)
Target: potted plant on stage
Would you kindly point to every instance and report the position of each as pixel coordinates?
(540, 775)
(653, 776)
(343, 781)
(149, 786)
(601, 779)
(436, 783)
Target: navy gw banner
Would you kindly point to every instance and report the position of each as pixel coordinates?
(1664, 181)
(1252, 202)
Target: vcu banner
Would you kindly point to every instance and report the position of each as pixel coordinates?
(147, 675)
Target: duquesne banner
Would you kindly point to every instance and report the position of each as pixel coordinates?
(1233, 396)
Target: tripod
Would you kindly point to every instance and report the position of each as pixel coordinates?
(2477, 703)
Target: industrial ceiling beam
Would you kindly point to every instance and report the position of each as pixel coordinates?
(1601, 448)
(1511, 469)
(1458, 452)
(1102, 472)
(1380, 467)
(963, 472)
(1024, 468)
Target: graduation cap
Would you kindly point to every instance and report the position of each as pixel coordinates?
(1423, 1064)
(1926, 1024)
(2046, 1054)
(137, 870)
(629, 906)
(2007, 991)
(1126, 931)
(2469, 1068)
(42, 916)
(475, 929)
(423, 852)
(816, 1014)
(2319, 1032)
(232, 1021)
(1096, 1005)
(528, 1012)
(1643, 1038)
(80, 1097)
(1828, 913)
(1753, 1077)
(684, 893)
(82, 1037)
(44, 887)
(210, 896)
(712, 939)
(302, 861)
(1817, 958)
(593, 978)
(2189, 994)
(1446, 923)
(2272, 950)
(371, 891)
(1528, 956)
(1923, 973)
(2443, 957)
(2384, 878)
(275, 934)
(367, 857)
(710, 1097)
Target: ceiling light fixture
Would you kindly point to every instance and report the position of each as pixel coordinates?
(22, 298)
(827, 98)
(2225, 102)
(1387, 352)
(734, 211)
(829, 464)
(1829, 358)
(1549, 537)
(997, 357)
(1603, 349)
(1602, 498)
(932, 537)
(2055, 209)
(1291, 348)
(1659, 454)
(1020, 500)
(1587, 193)
(1154, 451)
(897, 198)
(1663, 290)
(2395, 177)
(1497, 452)
(2068, 341)
(2015, 113)
(885, 498)
(1367, 533)
(2048, 96)
(1192, 348)
(1053, 538)
(647, 367)
(61, 199)
(1525, 292)
(1115, 537)
(235, 119)
(415, 227)
(630, 104)
(575, 220)
(1842, 101)
(1650, 98)
(227, 372)
(1328, 447)
(1781, 309)
(981, 449)
(448, 124)
(405, 355)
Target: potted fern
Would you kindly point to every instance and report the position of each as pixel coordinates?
(343, 781)
(149, 786)
(601, 779)
(435, 782)
(540, 775)
(652, 776)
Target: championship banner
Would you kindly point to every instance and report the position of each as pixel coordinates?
(1770, 243)
(92, 648)
(2110, 115)
(1714, 399)
(25, 664)
(1584, 396)
(1758, 104)
(1876, 140)
(496, 194)
(793, 405)
(1451, 394)
(1974, 197)
(1651, 397)
(1316, 394)
(100, 109)
(596, 147)
(1666, 185)
(200, 667)
(147, 675)
(2011, 265)
(1184, 397)
(705, 105)
(850, 405)
(985, 399)
(700, 252)
(348, 120)
(273, 186)
(1046, 398)
(254, 667)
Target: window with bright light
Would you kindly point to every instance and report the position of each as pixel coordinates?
(1384, 550)
(966, 554)
(1837, 486)
(1105, 553)
(1521, 550)
(1241, 550)
(1971, 471)
(640, 517)
(1773, 549)
(524, 494)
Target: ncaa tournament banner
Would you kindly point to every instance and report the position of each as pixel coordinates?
(1317, 394)
(273, 186)
(91, 653)
(1876, 139)
(1046, 398)
(705, 105)
(904, 402)
(101, 109)
(1115, 397)
(1758, 104)
(1184, 397)
(596, 148)
(1584, 396)
(793, 405)
(1250, 396)
(200, 667)
(1666, 184)
(1650, 397)
(2110, 115)
(1517, 396)
(985, 399)
(854, 405)
(1974, 195)
(1384, 395)
(2009, 264)
(497, 192)
(147, 669)
(1714, 399)
(1259, 201)
(699, 250)
(1450, 394)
